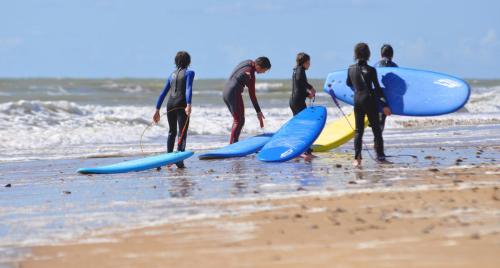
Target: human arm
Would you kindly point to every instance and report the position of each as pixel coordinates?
(379, 93)
(189, 91)
(348, 81)
(310, 91)
(251, 92)
(161, 98)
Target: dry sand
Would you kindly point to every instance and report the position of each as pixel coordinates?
(453, 223)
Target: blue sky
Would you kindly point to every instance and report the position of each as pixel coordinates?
(112, 38)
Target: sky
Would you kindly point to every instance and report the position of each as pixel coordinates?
(113, 38)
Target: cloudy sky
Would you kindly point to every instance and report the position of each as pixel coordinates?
(113, 38)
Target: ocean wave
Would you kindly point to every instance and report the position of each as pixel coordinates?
(486, 102)
(41, 129)
(267, 86)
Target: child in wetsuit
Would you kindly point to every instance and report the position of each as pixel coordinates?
(301, 89)
(386, 54)
(243, 75)
(362, 78)
(180, 85)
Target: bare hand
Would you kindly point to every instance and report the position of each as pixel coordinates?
(311, 93)
(156, 116)
(387, 111)
(188, 110)
(261, 118)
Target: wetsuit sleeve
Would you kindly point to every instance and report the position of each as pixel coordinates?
(251, 92)
(303, 80)
(161, 98)
(378, 90)
(189, 86)
(348, 81)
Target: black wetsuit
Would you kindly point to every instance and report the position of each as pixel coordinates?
(180, 85)
(243, 75)
(384, 62)
(362, 78)
(299, 90)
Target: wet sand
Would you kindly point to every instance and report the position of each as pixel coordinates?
(441, 217)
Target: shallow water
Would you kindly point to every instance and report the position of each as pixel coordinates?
(48, 202)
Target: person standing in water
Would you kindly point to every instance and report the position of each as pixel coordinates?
(180, 85)
(386, 54)
(243, 75)
(363, 80)
(301, 89)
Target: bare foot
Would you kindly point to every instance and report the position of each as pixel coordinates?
(307, 157)
(356, 163)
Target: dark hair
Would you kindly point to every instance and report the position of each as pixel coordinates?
(362, 52)
(182, 59)
(386, 51)
(302, 58)
(263, 62)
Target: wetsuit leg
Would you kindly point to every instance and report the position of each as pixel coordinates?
(237, 109)
(172, 130)
(359, 116)
(382, 117)
(297, 107)
(183, 124)
(373, 118)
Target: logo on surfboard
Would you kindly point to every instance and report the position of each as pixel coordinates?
(286, 153)
(447, 83)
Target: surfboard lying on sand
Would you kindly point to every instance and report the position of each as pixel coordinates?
(295, 137)
(138, 164)
(410, 92)
(239, 149)
(336, 133)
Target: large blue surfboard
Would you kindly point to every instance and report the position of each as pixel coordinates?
(410, 92)
(239, 149)
(295, 137)
(138, 164)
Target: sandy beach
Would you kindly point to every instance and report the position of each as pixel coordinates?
(450, 218)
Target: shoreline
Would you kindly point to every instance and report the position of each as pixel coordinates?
(454, 224)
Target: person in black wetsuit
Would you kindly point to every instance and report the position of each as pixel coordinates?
(386, 53)
(179, 103)
(243, 75)
(301, 89)
(362, 78)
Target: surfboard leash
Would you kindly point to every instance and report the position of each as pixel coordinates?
(332, 94)
(153, 123)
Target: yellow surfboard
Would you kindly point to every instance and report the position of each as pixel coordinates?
(336, 133)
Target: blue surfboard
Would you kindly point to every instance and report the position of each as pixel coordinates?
(138, 164)
(409, 91)
(239, 149)
(295, 137)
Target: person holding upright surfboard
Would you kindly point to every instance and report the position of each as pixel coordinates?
(301, 89)
(180, 85)
(243, 75)
(362, 79)
(386, 54)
